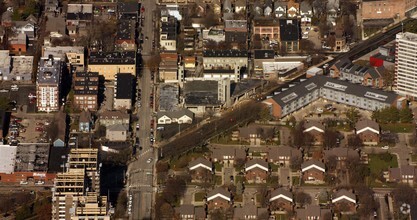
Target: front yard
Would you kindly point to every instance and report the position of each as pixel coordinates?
(381, 162)
(398, 127)
(199, 197)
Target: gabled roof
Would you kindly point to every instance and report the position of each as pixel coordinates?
(283, 151)
(313, 164)
(248, 210)
(313, 125)
(220, 152)
(117, 127)
(408, 170)
(311, 212)
(281, 193)
(366, 125)
(200, 162)
(260, 131)
(256, 163)
(219, 192)
(85, 116)
(341, 152)
(176, 114)
(344, 194)
(114, 115)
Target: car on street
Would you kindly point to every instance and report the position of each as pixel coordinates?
(319, 110)
(386, 147)
(149, 160)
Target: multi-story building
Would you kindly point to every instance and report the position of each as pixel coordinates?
(387, 9)
(125, 37)
(123, 91)
(406, 64)
(48, 84)
(85, 90)
(76, 193)
(168, 32)
(266, 28)
(79, 19)
(108, 64)
(225, 63)
(74, 56)
(311, 89)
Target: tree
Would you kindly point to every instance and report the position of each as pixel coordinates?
(295, 162)
(264, 193)
(218, 214)
(239, 163)
(23, 212)
(357, 171)
(366, 200)
(330, 138)
(307, 45)
(42, 209)
(404, 193)
(331, 163)
(166, 210)
(353, 116)
(302, 198)
(153, 62)
(354, 141)
(265, 114)
(211, 18)
(406, 115)
(388, 76)
(299, 138)
(4, 103)
(162, 167)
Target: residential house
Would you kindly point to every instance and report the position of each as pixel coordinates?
(257, 171)
(281, 200)
(168, 67)
(293, 9)
(168, 33)
(256, 134)
(52, 7)
(313, 171)
(190, 35)
(368, 131)
(240, 6)
(26, 27)
(183, 116)
(280, 9)
(313, 212)
(128, 10)
(60, 119)
(18, 44)
(250, 211)
(258, 9)
(108, 64)
(316, 130)
(236, 33)
(108, 118)
(85, 122)
(267, 29)
(190, 212)
(85, 90)
(72, 55)
(201, 170)
(289, 34)
(78, 19)
(283, 155)
(56, 27)
(405, 174)
(268, 7)
(340, 41)
(48, 84)
(117, 132)
(123, 89)
(227, 154)
(226, 60)
(365, 75)
(341, 154)
(189, 63)
(125, 36)
(306, 12)
(344, 201)
(219, 198)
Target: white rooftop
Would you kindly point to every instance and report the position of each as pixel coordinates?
(280, 67)
(7, 158)
(4, 62)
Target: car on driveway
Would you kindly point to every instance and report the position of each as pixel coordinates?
(149, 160)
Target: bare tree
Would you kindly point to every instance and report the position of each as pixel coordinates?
(302, 198)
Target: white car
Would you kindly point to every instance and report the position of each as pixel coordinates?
(149, 160)
(386, 147)
(319, 110)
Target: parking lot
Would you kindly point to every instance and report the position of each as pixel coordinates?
(28, 128)
(20, 96)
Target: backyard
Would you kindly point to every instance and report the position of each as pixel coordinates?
(378, 163)
(398, 127)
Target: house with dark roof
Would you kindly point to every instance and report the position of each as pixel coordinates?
(125, 35)
(313, 171)
(406, 174)
(123, 90)
(168, 67)
(190, 212)
(257, 171)
(290, 33)
(78, 19)
(240, 5)
(368, 131)
(108, 64)
(219, 198)
(282, 155)
(281, 200)
(250, 211)
(256, 134)
(201, 170)
(183, 116)
(341, 154)
(85, 90)
(294, 98)
(168, 33)
(280, 9)
(354, 73)
(306, 12)
(316, 130)
(313, 212)
(227, 154)
(236, 33)
(128, 10)
(108, 118)
(344, 201)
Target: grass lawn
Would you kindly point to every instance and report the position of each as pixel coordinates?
(218, 180)
(274, 167)
(272, 180)
(398, 127)
(281, 217)
(199, 197)
(414, 157)
(377, 165)
(218, 166)
(295, 180)
(239, 178)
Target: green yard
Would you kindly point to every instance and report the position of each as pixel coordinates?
(218, 166)
(398, 127)
(414, 157)
(381, 162)
(199, 197)
(239, 179)
(295, 180)
(218, 180)
(274, 167)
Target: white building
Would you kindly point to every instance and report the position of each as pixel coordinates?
(406, 64)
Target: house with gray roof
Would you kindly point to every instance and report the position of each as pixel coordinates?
(117, 132)
(280, 9)
(250, 211)
(290, 100)
(256, 134)
(368, 131)
(227, 154)
(190, 212)
(341, 154)
(366, 75)
(201, 170)
(313, 171)
(344, 201)
(219, 198)
(312, 212)
(406, 174)
(183, 116)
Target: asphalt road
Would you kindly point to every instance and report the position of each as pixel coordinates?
(141, 171)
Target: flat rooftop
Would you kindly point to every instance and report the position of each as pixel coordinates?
(32, 158)
(168, 97)
(5, 62)
(49, 71)
(201, 92)
(127, 57)
(7, 158)
(124, 87)
(22, 67)
(61, 51)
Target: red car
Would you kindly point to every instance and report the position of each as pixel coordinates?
(142, 9)
(38, 129)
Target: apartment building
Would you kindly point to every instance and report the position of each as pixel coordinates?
(86, 90)
(123, 91)
(406, 65)
(311, 89)
(74, 56)
(108, 64)
(225, 63)
(76, 192)
(48, 84)
(168, 32)
(267, 28)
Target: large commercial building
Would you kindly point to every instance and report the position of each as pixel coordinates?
(309, 90)
(76, 193)
(406, 64)
(48, 84)
(111, 63)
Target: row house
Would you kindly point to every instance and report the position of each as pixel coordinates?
(257, 171)
(316, 130)
(313, 171)
(249, 211)
(220, 61)
(406, 174)
(341, 154)
(168, 32)
(283, 155)
(368, 131)
(168, 67)
(228, 154)
(282, 9)
(313, 212)
(201, 170)
(183, 116)
(190, 212)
